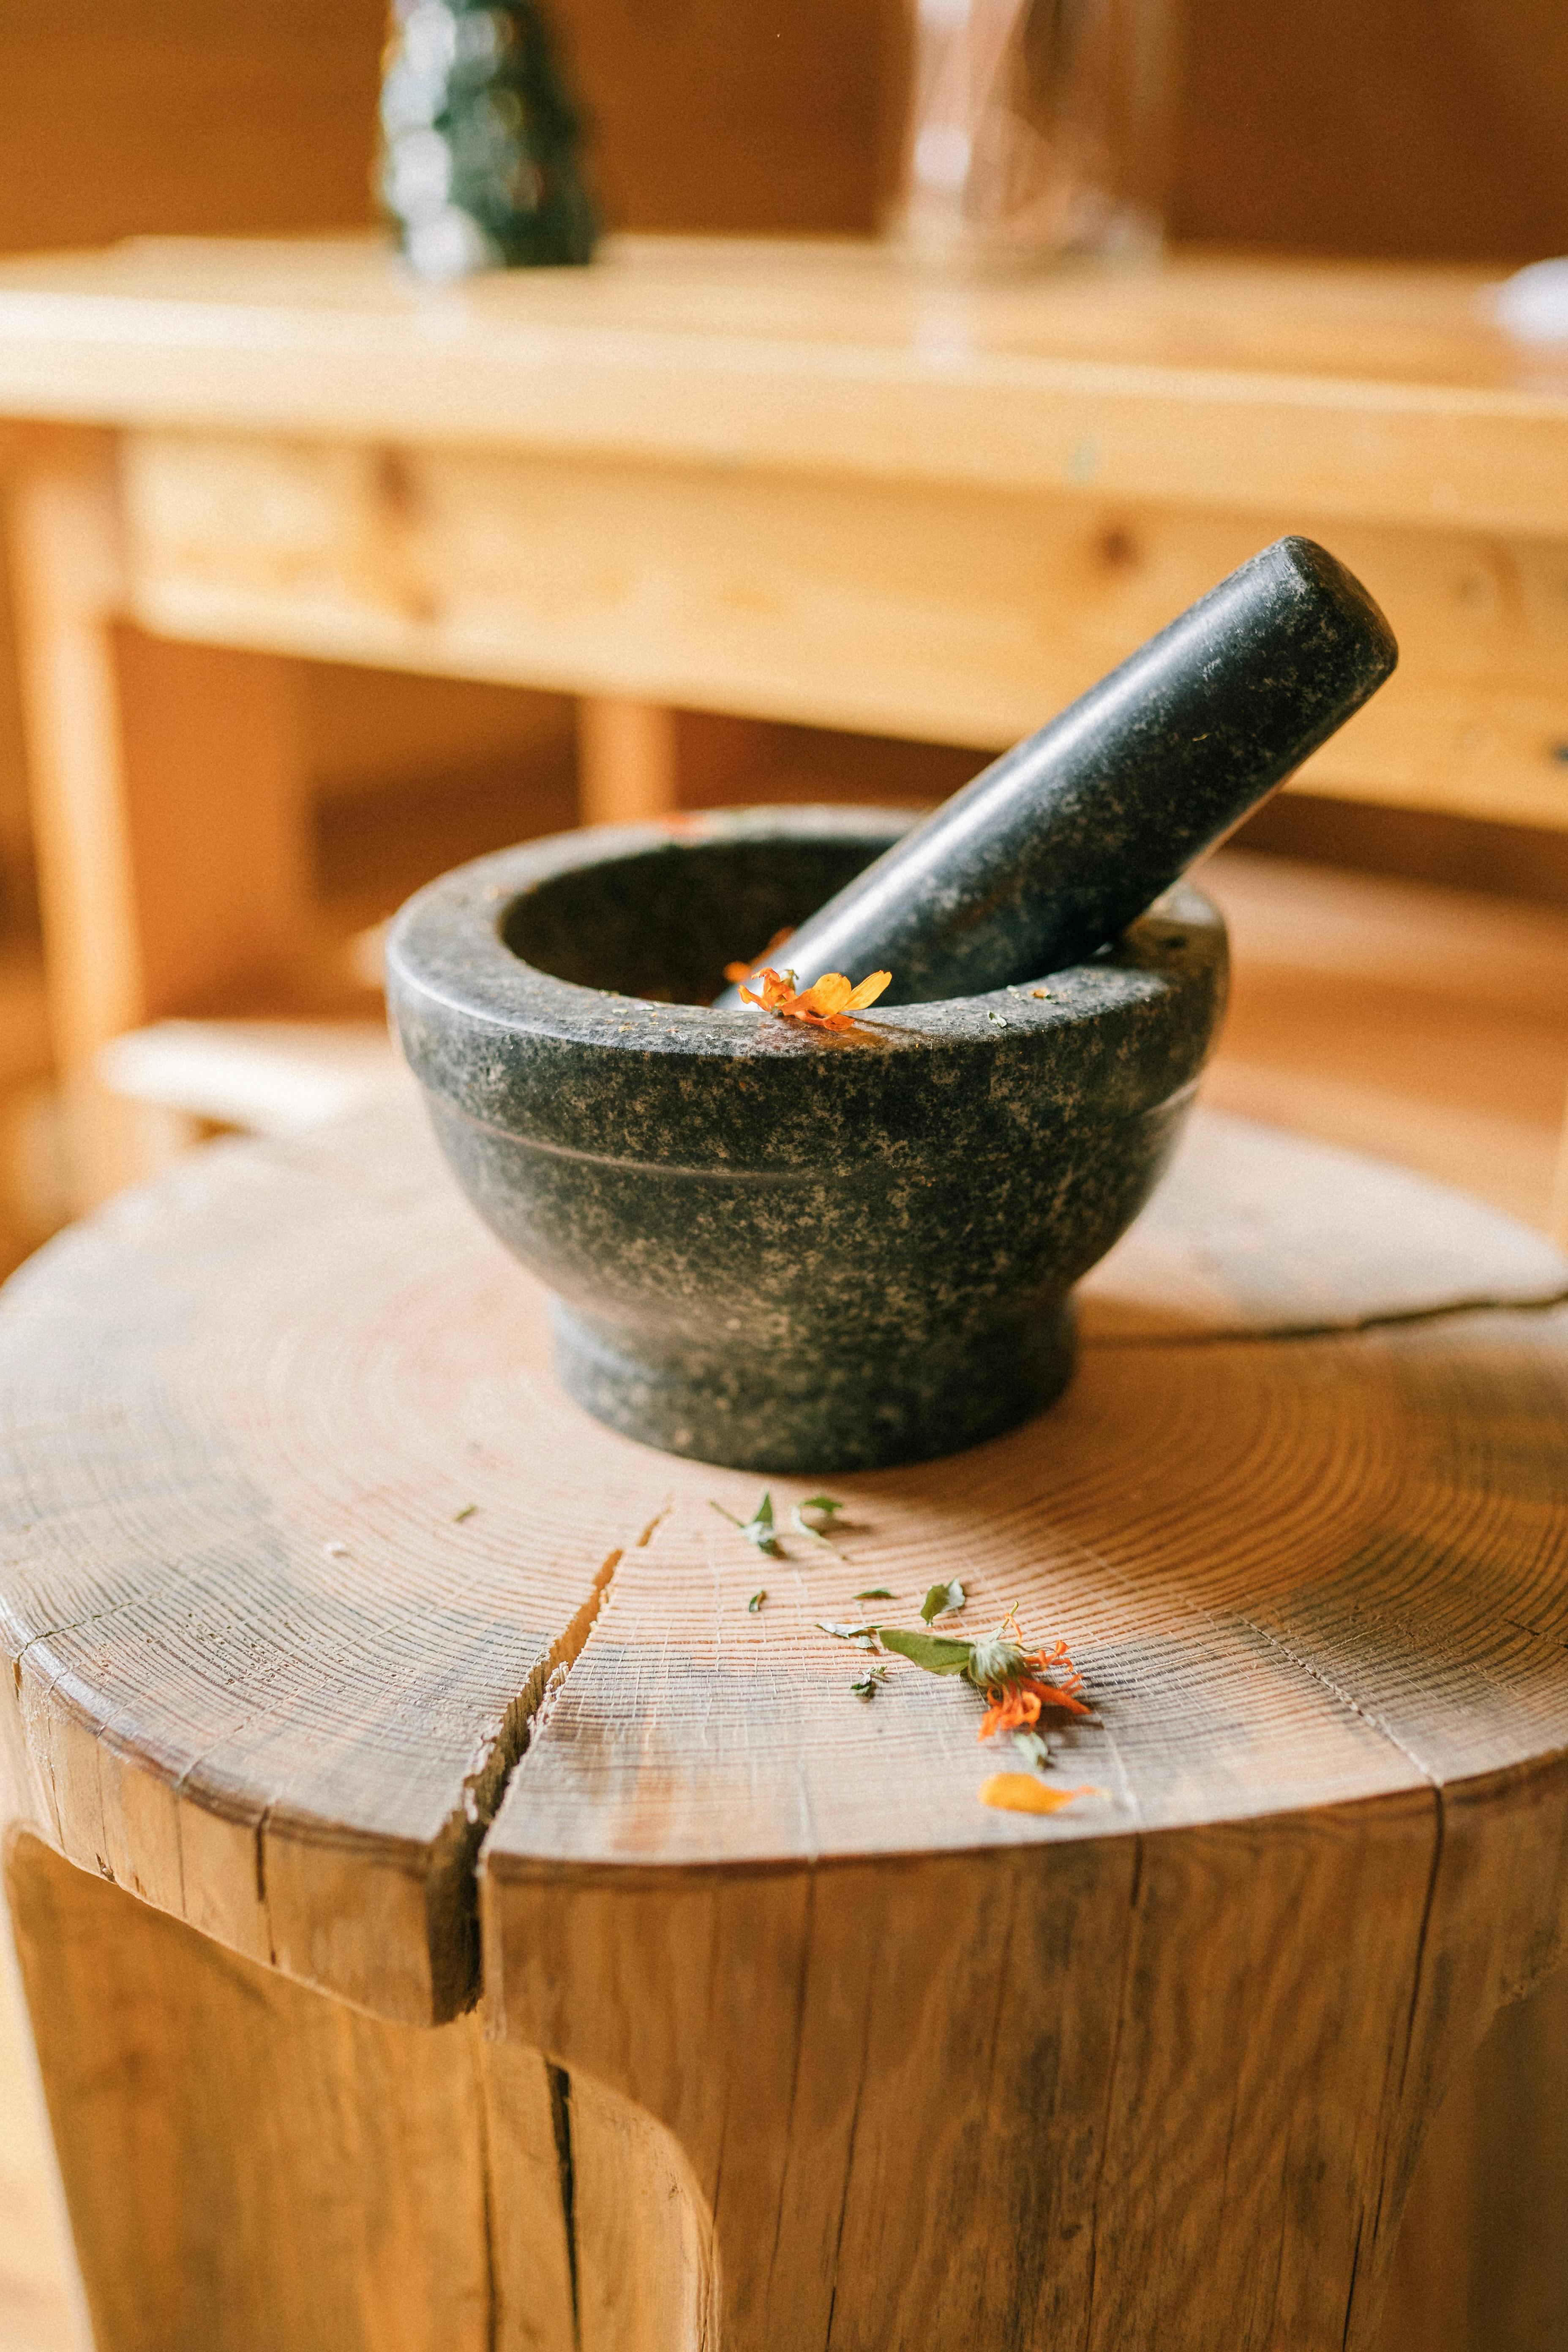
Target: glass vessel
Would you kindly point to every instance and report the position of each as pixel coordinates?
(1037, 128)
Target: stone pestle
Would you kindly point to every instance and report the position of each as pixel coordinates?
(1061, 843)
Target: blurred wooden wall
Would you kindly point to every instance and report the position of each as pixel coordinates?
(1398, 127)
(1407, 128)
(1415, 129)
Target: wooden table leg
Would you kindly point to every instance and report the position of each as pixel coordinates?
(627, 759)
(168, 801)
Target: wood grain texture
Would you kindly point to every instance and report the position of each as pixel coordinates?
(808, 2003)
(248, 2162)
(955, 613)
(1498, 2154)
(360, 2202)
(1357, 392)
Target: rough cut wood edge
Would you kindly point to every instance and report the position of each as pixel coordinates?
(361, 2184)
(1482, 2264)
(1167, 2090)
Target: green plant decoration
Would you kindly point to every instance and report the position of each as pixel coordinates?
(481, 140)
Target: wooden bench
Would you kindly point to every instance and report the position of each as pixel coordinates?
(452, 1916)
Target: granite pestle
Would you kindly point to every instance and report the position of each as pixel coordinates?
(1059, 845)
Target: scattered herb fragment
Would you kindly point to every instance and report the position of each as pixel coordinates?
(1000, 1019)
(1012, 1678)
(941, 1598)
(1021, 1793)
(939, 1654)
(758, 1529)
(867, 1685)
(1034, 1746)
(860, 1633)
(874, 1593)
(1039, 992)
(815, 1517)
(830, 1004)
(760, 963)
(465, 1513)
(756, 1600)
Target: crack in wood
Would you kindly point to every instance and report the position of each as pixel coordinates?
(454, 1880)
(561, 2117)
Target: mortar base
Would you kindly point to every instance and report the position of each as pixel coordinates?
(828, 1412)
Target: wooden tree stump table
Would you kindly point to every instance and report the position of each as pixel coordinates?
(452, 1917)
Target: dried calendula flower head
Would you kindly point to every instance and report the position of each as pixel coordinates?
(1014, 1678)
(998, 1657)
(830, 1004)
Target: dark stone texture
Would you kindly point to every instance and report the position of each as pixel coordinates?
(1063, 841)
(769, 1246)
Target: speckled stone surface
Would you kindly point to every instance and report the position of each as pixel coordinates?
(768, 1246)
(1063, 841)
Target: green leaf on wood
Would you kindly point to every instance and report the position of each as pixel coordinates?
(941, 1598)
(758, 1529)
(939, 1654)
(756, 1600)
(874, 1593)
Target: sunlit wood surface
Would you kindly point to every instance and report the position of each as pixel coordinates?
(301, 1533)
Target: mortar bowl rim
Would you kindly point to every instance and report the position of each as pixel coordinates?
(448, 956)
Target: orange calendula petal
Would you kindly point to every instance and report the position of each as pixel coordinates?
(1051, 1696)
(821, 1006)
(831, 994)
(776, 991)
(1022, 1792)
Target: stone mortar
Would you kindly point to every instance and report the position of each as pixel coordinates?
(767, 1246)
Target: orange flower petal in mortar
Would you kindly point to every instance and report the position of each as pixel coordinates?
(828, 1003)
